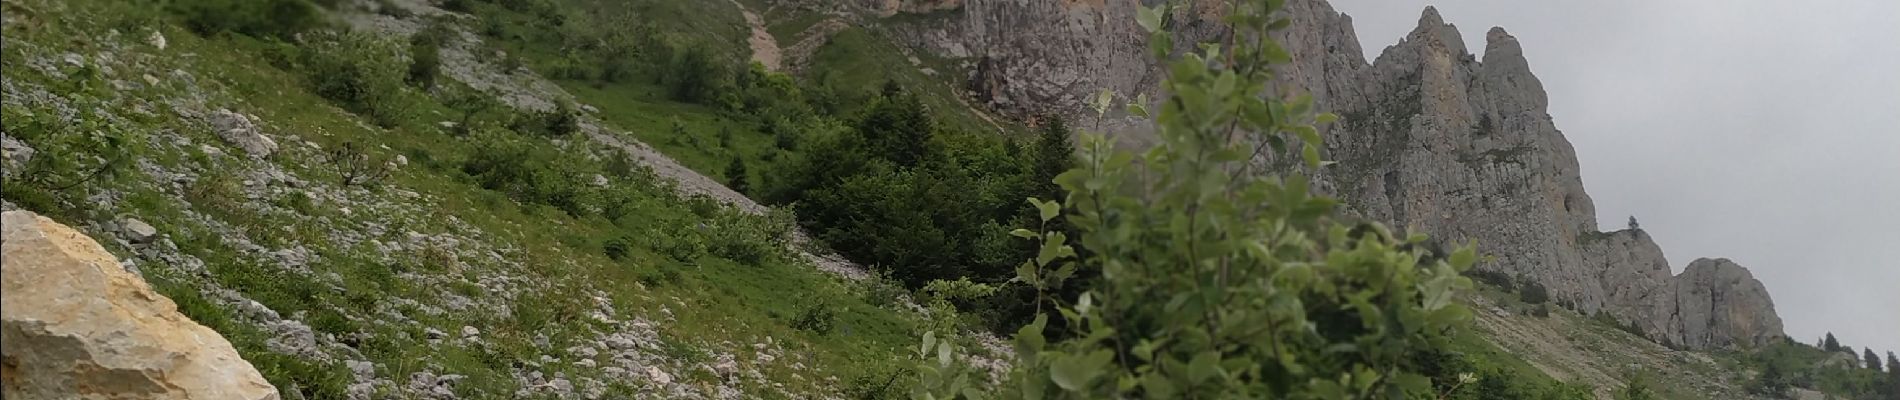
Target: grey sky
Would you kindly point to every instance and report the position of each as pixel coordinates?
(1766, 132)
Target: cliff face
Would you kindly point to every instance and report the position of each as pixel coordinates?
(1431, 138)
(1720, 303)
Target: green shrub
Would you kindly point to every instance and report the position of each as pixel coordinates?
(692, 75)
(558, 122)
(617, 248)
(533, 174)
(1218, 282)
(879, 288)
(1636, 386)
(461, 6)
(816, 317)
(260, 18)
(748, 239)
(879, 384)
(658, 276)
(686, 248)
(1533, 293)
(72, 156)
(425, 55)
(1497, 279)
(358, 72)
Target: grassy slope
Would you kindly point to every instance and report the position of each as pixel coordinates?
(1581, 350)
(721, 306)
(854, 64)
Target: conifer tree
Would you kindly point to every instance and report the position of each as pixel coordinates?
(736, 178)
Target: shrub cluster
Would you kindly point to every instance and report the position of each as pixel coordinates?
(279, 19)
(359, 72)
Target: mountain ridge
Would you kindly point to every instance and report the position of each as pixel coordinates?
(1431, 138)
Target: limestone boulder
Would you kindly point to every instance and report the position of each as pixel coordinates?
(76, 325)
(238, 130)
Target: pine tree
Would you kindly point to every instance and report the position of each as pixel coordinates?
(1873, 360)
(1893, 374)
(1054, 155)
(736, 178)
(898, 129)
(1829, 344)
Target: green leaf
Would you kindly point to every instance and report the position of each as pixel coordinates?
(1023, 233)
(973, 394)
(1145, 350)
(1158, 386)
(1149, 18)
(930, 340)
(1308, 134)
(1204, 366)
(1311, 153)
(1463, 258)
(1063, 273)
(1029, 339)
(1275, 53)
(1049, 209)
(1033, 385)
(1026, 272)
(1075, 373)
(1326, 118)
(1225, 83)
(1279, 24)
(1051, 248)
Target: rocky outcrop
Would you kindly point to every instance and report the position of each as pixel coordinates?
(78, 326)
(1431, 138)
(1636, 281)
(238, 130)
(14, 155)
(1720, 305)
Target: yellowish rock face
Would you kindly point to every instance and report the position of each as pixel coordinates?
(77, 325)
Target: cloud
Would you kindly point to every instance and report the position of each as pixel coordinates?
(1763, 131)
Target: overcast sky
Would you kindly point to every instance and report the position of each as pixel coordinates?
(1766, 132)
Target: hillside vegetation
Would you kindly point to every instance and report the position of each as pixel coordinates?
(491, 199)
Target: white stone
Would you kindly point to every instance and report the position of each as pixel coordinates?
(138, 231)
(658, 376)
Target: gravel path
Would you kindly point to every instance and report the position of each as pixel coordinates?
(764, 47)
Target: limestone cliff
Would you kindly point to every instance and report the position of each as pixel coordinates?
(1432, 138)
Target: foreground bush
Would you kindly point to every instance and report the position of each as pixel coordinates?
(1219, 281)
